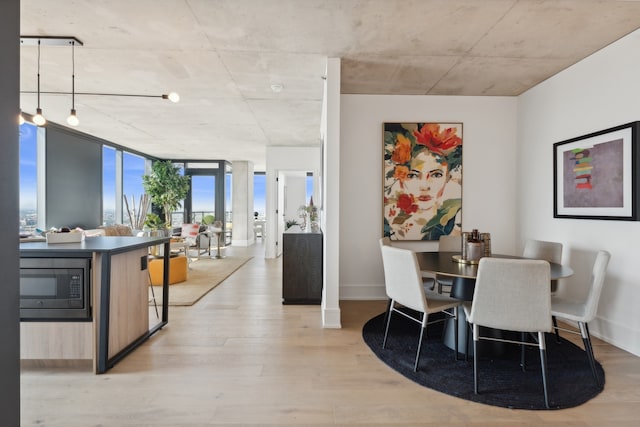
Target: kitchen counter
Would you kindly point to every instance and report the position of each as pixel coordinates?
(102, 244)
(119, 296)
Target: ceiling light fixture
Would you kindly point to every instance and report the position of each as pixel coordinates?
(277, 87)
(172, 96)
(73, 117)
(39, 119)
(73, 42)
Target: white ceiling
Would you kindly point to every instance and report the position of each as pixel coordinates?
(222, 56)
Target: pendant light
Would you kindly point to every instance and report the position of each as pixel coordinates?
(39, 119)
(172, 96)
(73, 118)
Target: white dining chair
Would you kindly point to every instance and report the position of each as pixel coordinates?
(548, 251)
(512, 295)
(584, 311)
(403, 284)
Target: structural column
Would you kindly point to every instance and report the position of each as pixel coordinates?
(9, 258)
(242, 204)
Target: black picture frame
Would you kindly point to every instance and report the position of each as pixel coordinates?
(595, 175)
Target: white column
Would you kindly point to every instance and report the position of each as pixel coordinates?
(331, 205)
(242, 201)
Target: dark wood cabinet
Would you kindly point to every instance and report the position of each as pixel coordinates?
(301, 267)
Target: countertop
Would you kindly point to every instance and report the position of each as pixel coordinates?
(102, 244)
(297, 230)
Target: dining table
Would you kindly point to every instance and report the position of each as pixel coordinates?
(449, 264)
(464, 274)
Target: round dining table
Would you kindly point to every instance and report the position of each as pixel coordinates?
(444, 263)
(464, 274)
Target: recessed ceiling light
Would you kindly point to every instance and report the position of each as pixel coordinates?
(277, 87)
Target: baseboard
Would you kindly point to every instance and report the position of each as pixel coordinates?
(331, 318)
(362, 292)
(77, 364)
(617, 334)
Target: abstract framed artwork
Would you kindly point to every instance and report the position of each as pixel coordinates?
(595, 175)
(422, 180)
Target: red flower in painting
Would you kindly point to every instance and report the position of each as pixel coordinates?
(405, 203)
(438, 142)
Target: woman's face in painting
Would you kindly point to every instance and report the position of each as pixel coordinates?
(426, 180)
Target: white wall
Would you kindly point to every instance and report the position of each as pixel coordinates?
(295, 194)
(489, 187)
(281, 160)
(599, 92)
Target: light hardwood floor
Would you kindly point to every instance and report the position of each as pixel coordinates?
(239, 357)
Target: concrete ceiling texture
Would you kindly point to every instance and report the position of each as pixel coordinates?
(250, 72)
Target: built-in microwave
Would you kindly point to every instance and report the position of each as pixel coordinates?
(55, 289)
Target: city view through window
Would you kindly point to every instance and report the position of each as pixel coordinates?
(133, 168)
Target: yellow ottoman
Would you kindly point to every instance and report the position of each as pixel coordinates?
(177, 270)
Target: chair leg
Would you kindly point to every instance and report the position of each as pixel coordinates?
(386, 329)
(543, 364)
(588, 348)
(466, 342)
(523, 357)
(455, 335)
(475, 359)
(555, 328)
(386, 315)
(422, 329)
(153, 294)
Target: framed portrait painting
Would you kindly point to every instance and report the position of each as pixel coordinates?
(422, 174)
(595, 175)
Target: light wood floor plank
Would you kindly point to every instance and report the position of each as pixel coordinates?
(239, 357)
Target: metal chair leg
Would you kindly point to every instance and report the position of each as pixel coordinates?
(543, 364)
(523, 361)
(386, 313)
(455, 334)
(153, 294)
(586, 339)
(555, 329)
(466, 342)
(475, 359)
(386, 329)
(422, 329)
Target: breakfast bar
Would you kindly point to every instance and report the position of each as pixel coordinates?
(117, 288)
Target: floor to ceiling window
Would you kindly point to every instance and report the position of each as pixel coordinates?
(28, 178)
(309, 187)
(259, 192)
(109, 186)
(203, 197)
(133, 168)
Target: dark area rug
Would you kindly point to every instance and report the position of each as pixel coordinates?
(501, 379)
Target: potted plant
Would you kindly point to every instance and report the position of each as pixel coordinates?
(153, 222)
(208, 220)
(290, 223)
(166, 187)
